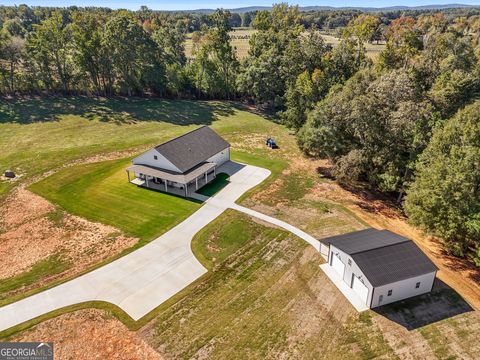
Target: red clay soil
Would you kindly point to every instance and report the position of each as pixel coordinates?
(32, 229)
(90, 334)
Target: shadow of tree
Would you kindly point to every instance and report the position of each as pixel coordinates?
(117, 110)
(442, 303)
(463, 265)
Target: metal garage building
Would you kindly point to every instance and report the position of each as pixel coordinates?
(379, 266)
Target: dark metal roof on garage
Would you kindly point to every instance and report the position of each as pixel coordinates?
(192, 148)
(383, 256)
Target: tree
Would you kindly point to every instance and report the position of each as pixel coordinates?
(50, 48)
(246, 19)
(11, 52)
(215, 66)
(403, 44)
(90, 54)
(362, 29)
(377, 124)
(444, 199)
(300, 98)
(14, 27)
(273, 62)
(133, 55)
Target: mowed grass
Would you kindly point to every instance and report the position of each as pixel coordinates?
(41, 134)
(101, 192)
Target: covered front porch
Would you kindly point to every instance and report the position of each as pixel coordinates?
(170, 182)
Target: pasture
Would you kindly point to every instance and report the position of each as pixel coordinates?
(241, 37)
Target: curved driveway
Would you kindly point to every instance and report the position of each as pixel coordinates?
(145, 278)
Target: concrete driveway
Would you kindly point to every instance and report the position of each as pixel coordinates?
(145, 278)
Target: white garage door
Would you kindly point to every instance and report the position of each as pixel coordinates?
(360, 289)
(338, 265)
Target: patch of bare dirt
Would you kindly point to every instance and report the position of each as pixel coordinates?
(34, 229)
(90, 334)
(248, 142)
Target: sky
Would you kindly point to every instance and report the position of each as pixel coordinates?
(227, 4)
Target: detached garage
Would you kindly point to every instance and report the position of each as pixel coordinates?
(378, 266)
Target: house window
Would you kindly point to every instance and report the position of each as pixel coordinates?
(417, 285)
(155, 157)
(350, 262)
(389, 292)
(380, 299)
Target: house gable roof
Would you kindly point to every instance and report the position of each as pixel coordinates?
(383, 256)
(192, 148)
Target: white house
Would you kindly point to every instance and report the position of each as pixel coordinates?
(183, 164)
(378, 266)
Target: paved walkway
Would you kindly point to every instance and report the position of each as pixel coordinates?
(145, 278)
(301, 234)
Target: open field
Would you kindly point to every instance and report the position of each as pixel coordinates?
(90, 141)
(240, 41)
(264, 296)
(38, 135)
(241, 37)
(267, 298)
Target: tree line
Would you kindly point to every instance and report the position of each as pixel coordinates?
(405, 123)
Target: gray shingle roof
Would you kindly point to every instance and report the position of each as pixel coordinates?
(192, 148)
(383, 256)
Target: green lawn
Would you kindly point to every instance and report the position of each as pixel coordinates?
(50, 266)
(215, 186)
(38, 135)
(101, 192)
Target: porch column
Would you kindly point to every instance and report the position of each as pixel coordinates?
(206, 179)
(128, 175)
(214, 174)
(196, 183)
(146, 179)
(166, 188)
(186, 190)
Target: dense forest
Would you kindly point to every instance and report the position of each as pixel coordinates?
(406, 123)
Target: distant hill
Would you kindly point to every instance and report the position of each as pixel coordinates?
(320, 8)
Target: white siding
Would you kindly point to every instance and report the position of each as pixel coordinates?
(350, 270)
(324, 249)
(148, 158)
(403, 289)
(221, 157)
(337, 265)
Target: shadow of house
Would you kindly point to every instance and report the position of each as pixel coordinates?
(413, 313)
(118, 110)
